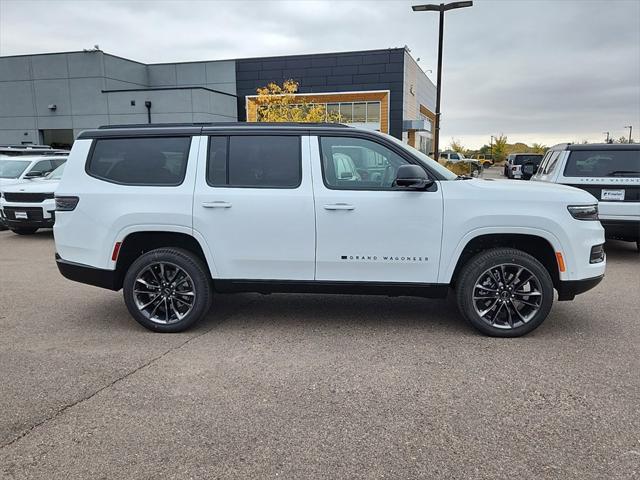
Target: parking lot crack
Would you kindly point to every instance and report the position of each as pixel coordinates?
(119, 379)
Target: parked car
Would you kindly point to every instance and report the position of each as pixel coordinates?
(513, 165)
(23, 169)
(609, 172)
(475, 167)
(25, 208)
(486, 160)
(174, 215)
(21, 150)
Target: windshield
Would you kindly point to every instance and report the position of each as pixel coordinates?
(56, 174)
(425, 160)
(603, 163)
(12, 168)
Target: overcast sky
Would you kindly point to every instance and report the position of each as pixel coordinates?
(535, 70)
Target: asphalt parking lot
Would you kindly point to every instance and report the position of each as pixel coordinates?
(300, 386)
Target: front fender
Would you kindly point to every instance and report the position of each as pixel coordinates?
(449, 260)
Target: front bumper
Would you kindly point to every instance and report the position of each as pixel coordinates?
(39, 215)
(33, 221)
(568, 289)
(97, 277)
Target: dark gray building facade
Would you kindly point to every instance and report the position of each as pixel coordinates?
(50, 98)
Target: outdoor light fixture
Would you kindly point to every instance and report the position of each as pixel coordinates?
(147, 104)
(53, 107)
(439, 8)
(630, 127)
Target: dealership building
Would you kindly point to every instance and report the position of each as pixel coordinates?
(50, 98)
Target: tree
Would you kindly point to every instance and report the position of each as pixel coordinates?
(278, 103)
(539, 148)
(457, 146)
(500, 148)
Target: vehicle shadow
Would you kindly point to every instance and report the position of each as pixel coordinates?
(619, 250)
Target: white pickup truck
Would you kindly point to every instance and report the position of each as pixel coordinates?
(175, 214)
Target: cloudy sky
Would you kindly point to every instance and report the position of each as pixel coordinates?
(535, 70)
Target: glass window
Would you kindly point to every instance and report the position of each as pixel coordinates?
(603, 163)
(43, 166)
(551, 163)
(217, 163)
(333, 111)
(360, 112)
(57, 173)
(140, 161)
(455, 156)
(373, 111)
(358, 164)
(264, 161)
(12, 168)
(346, 112)
(522, 159)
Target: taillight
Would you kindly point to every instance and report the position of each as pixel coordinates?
(66, 204)
(513, 169)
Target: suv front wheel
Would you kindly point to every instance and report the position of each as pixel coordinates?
(167, 290)
(504, 292)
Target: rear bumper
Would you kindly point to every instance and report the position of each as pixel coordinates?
(97, 277)
(621, 229)
(568, 289)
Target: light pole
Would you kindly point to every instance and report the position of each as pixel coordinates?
(630, 127)
(439, 8)
(607, 134)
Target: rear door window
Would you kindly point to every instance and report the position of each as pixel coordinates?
(255, 161)
(603, 163)
(140, 161)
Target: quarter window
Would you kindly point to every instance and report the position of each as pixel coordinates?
(255, 161)
(358, 164)
(140, 161)
(551, 163)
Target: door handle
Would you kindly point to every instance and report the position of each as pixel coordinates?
(339, 206)
(216, 204)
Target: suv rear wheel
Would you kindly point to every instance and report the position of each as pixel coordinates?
(167, 290)
(504, 292)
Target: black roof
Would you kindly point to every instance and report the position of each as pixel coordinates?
(163, 129)
(604, 146)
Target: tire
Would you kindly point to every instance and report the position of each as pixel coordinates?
(24, 230)
(171, 306)
(519, 307)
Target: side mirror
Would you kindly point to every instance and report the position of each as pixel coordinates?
(34, 174)
(412, 177)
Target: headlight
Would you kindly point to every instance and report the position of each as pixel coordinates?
(584, 212)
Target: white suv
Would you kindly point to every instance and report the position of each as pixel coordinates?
(172, 214)
(609, 172)
(27, 207)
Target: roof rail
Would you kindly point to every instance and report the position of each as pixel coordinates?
(225, 124)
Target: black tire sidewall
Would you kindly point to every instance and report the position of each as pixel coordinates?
(482, 262)
(190, 264)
